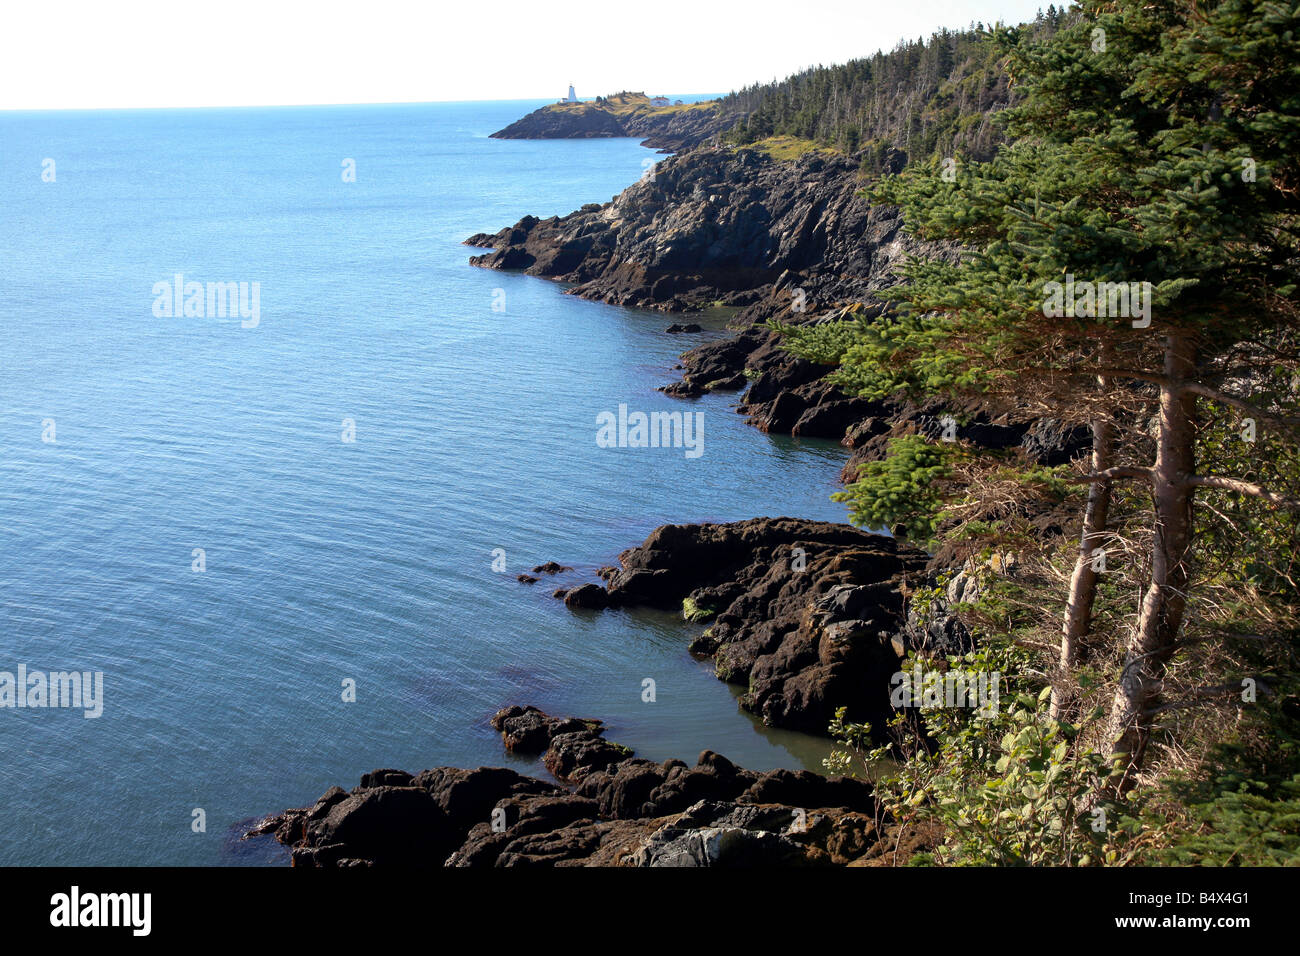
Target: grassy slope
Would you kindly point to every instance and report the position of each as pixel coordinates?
(626, 105)
(791, 147)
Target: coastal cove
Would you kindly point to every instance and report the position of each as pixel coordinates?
(890, 465)
(326, 559)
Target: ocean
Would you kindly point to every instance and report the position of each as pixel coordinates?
(242, 518)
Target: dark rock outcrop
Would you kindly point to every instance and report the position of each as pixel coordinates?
(579, 121)
(527, 730)
(716, 224)
(803, 614)
(790, 395)
(378, 826)
(671, 130)
(589, 596)
(628, 812)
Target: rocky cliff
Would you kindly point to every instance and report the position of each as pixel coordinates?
(717, 225)
(574, 122)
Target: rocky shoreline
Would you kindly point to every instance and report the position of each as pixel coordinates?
(807, 616)
(792, 240)
(610, 808)
(713, 225)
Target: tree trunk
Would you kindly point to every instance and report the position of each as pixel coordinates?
(1083, 582)
(1161, 614)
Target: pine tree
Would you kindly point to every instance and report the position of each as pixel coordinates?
(1154, 148)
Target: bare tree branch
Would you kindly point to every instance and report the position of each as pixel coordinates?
(1214, 394)
(1207, 694)
(1110, 474)
(1242, 487)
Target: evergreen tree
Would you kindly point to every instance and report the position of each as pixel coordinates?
(1154, 147)
(929, 93)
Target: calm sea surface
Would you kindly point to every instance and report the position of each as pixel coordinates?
(325, 560)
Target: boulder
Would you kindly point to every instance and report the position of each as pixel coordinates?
(588, 596)
(528, 730)
(400, 826)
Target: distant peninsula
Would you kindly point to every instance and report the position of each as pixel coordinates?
(661, 125)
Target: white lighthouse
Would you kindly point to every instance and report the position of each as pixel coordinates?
(572, 97)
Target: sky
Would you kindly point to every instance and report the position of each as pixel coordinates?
(93, 54)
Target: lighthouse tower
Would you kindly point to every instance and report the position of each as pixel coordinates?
(572, 97)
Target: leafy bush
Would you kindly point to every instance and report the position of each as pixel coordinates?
(1009, 789)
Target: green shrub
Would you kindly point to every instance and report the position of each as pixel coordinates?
(1009, 789)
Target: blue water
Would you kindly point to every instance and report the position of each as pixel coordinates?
(326, 560)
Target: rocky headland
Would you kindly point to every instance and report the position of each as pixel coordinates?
(792, 240)
(807, 616)
(713, 225)
(666, 128)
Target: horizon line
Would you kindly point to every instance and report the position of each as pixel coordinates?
(242, 106)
